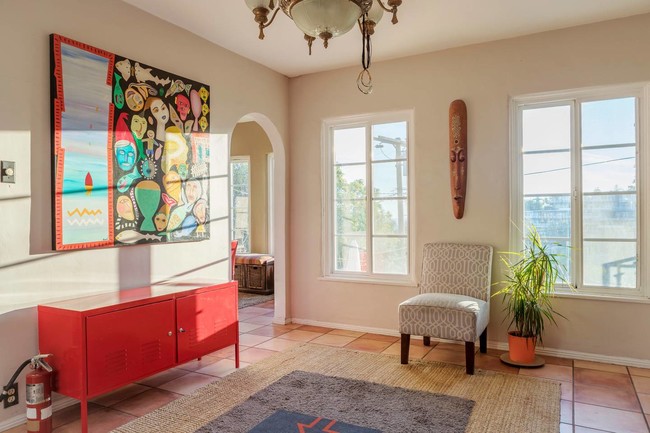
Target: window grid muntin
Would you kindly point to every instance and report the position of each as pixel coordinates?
(241, 247)
(580, 196)
(523, 103)
(369, 182)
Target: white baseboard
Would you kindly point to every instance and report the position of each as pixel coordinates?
(58, 404)
(583, 356)
(365, 329)
(281, 320)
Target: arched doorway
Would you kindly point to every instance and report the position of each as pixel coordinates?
(277, 219)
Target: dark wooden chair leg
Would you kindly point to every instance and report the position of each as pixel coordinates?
(483, 342)
(427, 340)
(406, 340)
(469, 357)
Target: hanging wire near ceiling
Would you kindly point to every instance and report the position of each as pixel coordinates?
(364, 80)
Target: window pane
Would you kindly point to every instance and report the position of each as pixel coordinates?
(350, 253)
(350, 182)
(240, 172)
(609, 216)
(546, 128)
(389, 141)
(546, 173)
(610, 264)
(349, 145)
(350, 217)
(389, 179)
(551, 215)
(369, 198)
(240, 205)
(243, 240)
(390, 255)
(612, 121)
(609, 169)
(240, 213)
(390, 217)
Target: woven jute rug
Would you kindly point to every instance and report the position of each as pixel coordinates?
(503, 402)
(250, 299)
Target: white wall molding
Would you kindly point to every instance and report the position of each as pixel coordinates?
(582, 356)
(57, 405)
(499, 345)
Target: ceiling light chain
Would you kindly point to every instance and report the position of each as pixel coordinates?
(364, 80)
(328, 19)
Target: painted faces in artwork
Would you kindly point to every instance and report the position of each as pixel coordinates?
(138, 126)
(125, 208)
(182, 106)
(200, 210)
(192, 190)
(160, 113)
(125, 154)
(134, 99)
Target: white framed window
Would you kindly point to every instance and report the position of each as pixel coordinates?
(367, 204)
(579, 174)
(240, 206)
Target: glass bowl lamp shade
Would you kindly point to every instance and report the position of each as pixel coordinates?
(326, 18)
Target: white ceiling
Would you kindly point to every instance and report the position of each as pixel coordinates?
(424, 26)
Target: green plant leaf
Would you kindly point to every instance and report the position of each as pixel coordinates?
(529, 286)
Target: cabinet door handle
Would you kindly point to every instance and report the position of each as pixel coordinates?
(170, 333)
(181, 330)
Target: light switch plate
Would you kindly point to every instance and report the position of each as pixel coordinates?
(8, 170)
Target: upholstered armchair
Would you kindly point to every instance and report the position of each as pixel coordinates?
(454, 299)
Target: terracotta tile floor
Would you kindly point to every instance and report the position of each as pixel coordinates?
(595, 397)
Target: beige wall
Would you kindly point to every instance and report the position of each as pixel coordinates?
(485, 76)
(29, 272)
(249, 139)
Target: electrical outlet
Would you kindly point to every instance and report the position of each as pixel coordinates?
(11, 399)
(8, 171)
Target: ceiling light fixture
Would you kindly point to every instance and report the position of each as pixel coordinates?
(327, 19)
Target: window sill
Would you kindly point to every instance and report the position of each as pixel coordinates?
(635, 299)
(380, 281)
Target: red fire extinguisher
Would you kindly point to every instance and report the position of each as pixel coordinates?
(38, 396)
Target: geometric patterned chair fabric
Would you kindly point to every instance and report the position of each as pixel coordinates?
(454, 299)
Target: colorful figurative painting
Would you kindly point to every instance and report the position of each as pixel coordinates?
(130, 151)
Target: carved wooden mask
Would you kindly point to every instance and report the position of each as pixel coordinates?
(458, 155)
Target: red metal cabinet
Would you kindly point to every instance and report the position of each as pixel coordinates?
(126, 345)
(103, 342)
(206, 322)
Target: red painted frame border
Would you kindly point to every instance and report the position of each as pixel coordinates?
(58, 107)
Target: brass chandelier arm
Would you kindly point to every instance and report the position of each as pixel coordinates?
(315, 17)
(392, 8)
(261, 17)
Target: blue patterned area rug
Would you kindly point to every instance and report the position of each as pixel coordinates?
(303, 402)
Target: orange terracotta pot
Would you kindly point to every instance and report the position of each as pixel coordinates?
(522, 349)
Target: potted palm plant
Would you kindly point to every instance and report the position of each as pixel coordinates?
(531, 276)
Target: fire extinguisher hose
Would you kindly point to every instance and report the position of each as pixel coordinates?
(13, 379)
